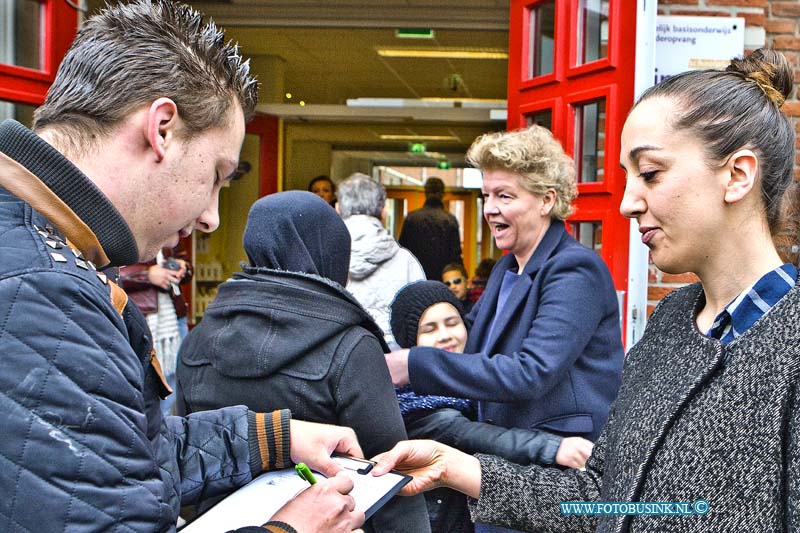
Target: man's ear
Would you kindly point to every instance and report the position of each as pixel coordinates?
(741, 172)
(162, 123)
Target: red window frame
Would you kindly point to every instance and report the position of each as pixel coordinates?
(610, 78)
(27, 85)
(267, 127)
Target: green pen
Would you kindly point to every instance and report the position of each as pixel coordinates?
(305, 473)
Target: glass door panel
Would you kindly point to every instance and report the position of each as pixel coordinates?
(20, 33)
(542, 39)
(590, 135)
(592, 34)
(22, 113)
(542, 118)
(588, 233)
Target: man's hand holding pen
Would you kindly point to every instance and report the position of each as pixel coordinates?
(326, 506)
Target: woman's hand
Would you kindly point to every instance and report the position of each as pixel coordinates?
(162, 277)
(431, 465)
(397, 361)
(574, 451)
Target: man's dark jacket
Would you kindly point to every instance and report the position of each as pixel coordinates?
(300, 341)
(84, 446)
(431, 234)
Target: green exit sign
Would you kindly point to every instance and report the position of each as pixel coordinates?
(413, 33)
(417, 148)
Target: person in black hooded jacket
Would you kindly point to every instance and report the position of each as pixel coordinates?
(284, 332)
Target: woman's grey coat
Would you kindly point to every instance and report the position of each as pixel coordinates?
(694, 420)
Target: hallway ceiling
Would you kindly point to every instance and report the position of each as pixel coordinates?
(331, 65)
(328, 51)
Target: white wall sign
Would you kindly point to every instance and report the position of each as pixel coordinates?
(688, 43)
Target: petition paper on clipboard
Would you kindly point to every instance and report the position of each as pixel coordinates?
(256, 502)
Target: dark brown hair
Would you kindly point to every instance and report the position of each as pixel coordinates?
(128, 55)
(455, 266)
(740, 108)
(321, 177)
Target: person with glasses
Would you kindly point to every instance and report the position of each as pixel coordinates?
(454, 276)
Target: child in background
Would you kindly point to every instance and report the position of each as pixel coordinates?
(427, 313)
(454, 275)
(478, 283)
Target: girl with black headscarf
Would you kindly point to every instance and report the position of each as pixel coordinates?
(284, 333)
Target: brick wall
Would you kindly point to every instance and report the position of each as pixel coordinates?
(773, 23)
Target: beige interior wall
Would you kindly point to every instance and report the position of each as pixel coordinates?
(304, 161)
(342, 167)
(218, 255)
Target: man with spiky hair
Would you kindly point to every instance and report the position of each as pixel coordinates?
(143, 124)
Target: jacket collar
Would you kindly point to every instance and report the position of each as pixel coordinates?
(38, 174)
(317, 289)
(433, 202)
(547, 246)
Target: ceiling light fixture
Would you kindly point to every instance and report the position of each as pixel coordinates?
(444, 53)
(428, 101)
(420, 138)
(478, 102)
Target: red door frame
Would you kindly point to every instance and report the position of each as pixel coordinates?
(267, 128)
(27, 85)
(611, 78)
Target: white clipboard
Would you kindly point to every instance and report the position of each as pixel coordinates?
(254, 503)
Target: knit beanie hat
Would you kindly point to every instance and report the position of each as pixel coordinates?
(411, 302)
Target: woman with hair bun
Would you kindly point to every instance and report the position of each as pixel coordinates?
(708, 412)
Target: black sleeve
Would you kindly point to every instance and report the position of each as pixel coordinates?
(520, 446)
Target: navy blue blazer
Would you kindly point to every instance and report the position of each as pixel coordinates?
(554, 359)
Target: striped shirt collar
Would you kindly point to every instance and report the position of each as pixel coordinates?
(753, 303)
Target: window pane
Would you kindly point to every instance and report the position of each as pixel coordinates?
(592, 30)
(589, 234)
(22, 113)
(542, 118)
(590, 124)
(542, 31)
(396, 211)
(456, 208)
(20, 33)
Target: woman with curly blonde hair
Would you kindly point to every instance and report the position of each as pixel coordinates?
(544, 350)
